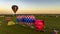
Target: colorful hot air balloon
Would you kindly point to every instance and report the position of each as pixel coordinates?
(39, 24)
(19, 19)
(14, 8)
(29, 19)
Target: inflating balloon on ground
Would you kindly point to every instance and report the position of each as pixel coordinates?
(39, 24)
(11, 23)
(19, 19)
(29, 19)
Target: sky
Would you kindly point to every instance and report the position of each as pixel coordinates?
(30, 6)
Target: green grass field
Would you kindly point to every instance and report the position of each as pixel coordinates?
(50, 23)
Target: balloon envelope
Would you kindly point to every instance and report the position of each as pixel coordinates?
(14, 8)
(39, 24)
(19, 18)
(29, 19)
(11, 23)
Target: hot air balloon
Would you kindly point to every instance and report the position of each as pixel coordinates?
(11, 23)
(14, 8)
(19, 19)
(39, 25)
(29, 19)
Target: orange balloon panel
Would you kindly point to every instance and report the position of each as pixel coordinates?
(14, 8)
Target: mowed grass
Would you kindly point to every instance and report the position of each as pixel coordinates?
(50, 23)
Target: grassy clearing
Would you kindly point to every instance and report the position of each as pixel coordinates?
(50, 23)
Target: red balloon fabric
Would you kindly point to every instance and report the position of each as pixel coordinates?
(19, 16)
(39, 24)
(39, 27)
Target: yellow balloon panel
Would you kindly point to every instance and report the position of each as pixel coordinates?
(11, 23)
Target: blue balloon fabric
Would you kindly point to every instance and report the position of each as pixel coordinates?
(19, 19)
(26, 19)
(29, 20)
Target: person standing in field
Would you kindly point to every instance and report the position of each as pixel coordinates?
(55, 31)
